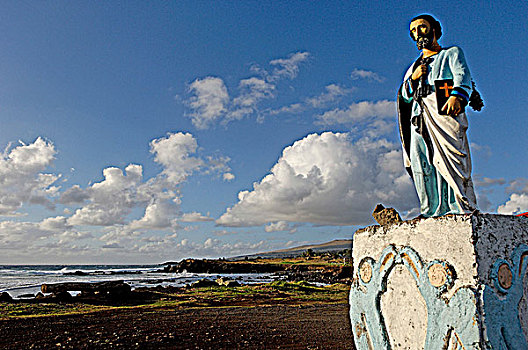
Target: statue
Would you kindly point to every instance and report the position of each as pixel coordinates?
(431, 110)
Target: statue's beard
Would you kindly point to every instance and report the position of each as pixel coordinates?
(426, 41)
(423, 43)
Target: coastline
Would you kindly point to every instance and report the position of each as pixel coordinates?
(209, 313)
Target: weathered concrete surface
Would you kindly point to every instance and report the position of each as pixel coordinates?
(443, 283)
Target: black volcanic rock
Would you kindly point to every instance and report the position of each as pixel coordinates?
(5, 297)
(217, 266)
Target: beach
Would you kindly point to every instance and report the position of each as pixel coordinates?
(261, 327)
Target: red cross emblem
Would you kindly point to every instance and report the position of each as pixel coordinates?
(446, 87)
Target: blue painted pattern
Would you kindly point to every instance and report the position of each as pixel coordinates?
(502, 323)
(456, 317)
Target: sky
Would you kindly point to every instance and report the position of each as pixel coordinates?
(139, 132)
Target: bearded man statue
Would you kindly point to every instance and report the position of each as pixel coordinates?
(433, 123)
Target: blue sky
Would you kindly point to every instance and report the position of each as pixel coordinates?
(140, 132)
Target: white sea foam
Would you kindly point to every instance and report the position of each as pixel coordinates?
(20, 280)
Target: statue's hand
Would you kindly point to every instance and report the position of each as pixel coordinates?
(452, 106)
(419, 71)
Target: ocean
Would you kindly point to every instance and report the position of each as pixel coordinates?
(24, 280)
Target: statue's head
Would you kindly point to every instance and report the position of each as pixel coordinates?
(425, 30)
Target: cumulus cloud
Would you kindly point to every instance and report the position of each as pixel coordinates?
(366, 74)
(360, 112)
(22, 179)
(16, 235)
(29, 237)
(174, 153)
(58, 223)
(228, 177)
(73, 195)
(123, 212)
(159, 214)
(210, 102)
(518, 203)
(195, 217)
(326, 179)
(280, 226)
(111, 201)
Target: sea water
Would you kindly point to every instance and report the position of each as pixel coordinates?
(26, 280)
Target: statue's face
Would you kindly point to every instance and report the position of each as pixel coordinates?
(422, 33)
(420, 27)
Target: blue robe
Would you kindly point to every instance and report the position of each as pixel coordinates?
(437, 156)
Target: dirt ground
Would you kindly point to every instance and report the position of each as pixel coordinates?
(261, 327)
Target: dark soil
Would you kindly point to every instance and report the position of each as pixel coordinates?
(261, 327)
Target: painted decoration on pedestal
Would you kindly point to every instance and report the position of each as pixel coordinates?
(449, 321)
(501, 306)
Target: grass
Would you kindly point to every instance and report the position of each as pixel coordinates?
(274, 293)
(51, 309)
(317, 260)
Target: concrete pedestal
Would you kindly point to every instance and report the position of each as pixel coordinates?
(454, 282)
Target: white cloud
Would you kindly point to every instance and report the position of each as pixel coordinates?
(280, 226)
(21, 177)
(174, 154)
(58, 223)
(208, 101)
(72, 236)
(74, 195)
(218, 165)
(213, 247)
(228, 177)
(252, 90)
(360, 112)
(29, 238)
(113, 245)
(195, 217)
(518, 203)
(366, 74)
(111, 201)
(326, 179)
(16, 235)
(332, 93)
(293, 108)
(288, 67)
(160, 213)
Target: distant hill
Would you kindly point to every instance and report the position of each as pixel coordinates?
(335, 245)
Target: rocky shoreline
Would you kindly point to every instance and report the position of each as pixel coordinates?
(324, 269)
(311, 272)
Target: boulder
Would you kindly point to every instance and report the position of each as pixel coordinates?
(203, 283)
(386, 216)
(5, 297)
(63, 296)
(228, 283)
